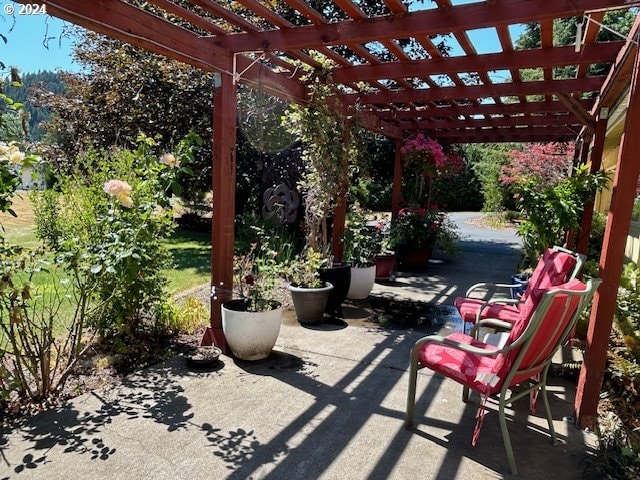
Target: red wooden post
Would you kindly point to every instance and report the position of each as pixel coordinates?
(224, 189)
(340, 210)
(611, 260)
(596, 163)
(396, 191)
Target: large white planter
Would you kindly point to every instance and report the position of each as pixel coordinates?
(250, 335)
(362, 280)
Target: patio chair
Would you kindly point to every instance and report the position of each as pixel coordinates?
(557, 265)
(546, 320)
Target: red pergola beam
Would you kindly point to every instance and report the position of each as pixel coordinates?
(543, 137)
(517, 132)
(415, 24)
(539, 120)
(516, 59)
(119, 20)
(482, 109)
(542, 87)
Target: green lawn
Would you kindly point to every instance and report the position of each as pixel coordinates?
(192, 257)
(191, 250)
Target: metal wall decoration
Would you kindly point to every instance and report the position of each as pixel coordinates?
(280, 204)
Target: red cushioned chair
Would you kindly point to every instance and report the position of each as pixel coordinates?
(556, 266)
(546, 319)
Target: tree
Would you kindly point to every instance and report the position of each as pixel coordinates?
(124, 91)
(46, 80)
(547, 164)
(564, 33)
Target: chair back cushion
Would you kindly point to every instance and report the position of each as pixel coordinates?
(545, 339)
(553, 269)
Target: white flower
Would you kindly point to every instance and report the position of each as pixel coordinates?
(169, 160)
(16, 156)
(11, 152)
(4, 151)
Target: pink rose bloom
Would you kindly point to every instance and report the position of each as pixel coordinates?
(116, 188)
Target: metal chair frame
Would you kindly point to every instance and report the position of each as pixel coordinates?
(524, 341)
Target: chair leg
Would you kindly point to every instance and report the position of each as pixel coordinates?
(547, 408)
(411, 393)
(505, 434)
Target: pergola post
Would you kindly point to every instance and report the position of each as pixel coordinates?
(224, 191)
(611, 260)
(596, 163)
(396, 190)
(340, 211)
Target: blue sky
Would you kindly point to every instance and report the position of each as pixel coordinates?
(25, 42)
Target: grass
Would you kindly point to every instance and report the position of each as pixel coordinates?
(192, 258)
(191, 250)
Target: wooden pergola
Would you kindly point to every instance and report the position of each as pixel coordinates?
(389, 64)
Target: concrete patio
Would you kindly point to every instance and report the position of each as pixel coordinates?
(329, 403)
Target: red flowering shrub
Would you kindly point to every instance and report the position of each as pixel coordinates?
(548, 164)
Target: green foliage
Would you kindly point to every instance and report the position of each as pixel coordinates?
(460, 192)
(116, 235)
(328, 158)
(635, 215)
(187, 318)
(255, 278)
(421, 228)
(304, 270)
(486, 161)
(35, 357)
(552, 209)
(361, 241)
(125, 90)
(628, 303)
(49, 83)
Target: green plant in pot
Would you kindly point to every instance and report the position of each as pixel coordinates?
(415, 231)
(332, 148)
(362, 244)
(308, 291)
(251, 323)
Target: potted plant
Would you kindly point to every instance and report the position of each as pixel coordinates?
(333, 146)
(362, 243)
(415, 231)
(385, 258)
(308, 291)
(251, 323)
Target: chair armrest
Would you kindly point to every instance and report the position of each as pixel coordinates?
(477, 286)
(491, 323)
(453, 344)
(493, 301)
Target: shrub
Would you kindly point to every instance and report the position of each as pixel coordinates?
(554, 208)
(109, 217)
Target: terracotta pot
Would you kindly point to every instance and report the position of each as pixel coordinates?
(385, 264)
(250, 335)
(414, 258)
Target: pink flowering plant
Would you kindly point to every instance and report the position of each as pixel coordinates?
(422, 228)
(426, 159)
(423, 155)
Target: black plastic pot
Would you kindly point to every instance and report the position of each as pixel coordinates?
(339, 275)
